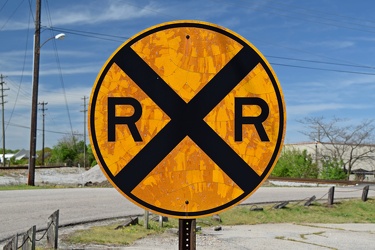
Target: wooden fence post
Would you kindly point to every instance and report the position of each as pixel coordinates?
(53, 230)
(28, 239)
(331, 195)
(146, 219)
(12, 244)
(365, 192)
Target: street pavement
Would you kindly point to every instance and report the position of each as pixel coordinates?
(21, 209)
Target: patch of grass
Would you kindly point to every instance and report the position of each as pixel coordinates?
(107, 235)
(350, 211)
(41, 186)
(19, 187)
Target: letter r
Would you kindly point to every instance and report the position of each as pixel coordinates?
(239, 119)
(130, 121)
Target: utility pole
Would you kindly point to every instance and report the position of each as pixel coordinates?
(34, 98)
(43, 104)
(2, 105)
(84, 129)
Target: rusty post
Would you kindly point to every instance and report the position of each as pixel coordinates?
(186, 234)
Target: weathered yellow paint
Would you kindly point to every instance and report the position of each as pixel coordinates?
(187, 180)
(187, 174)
(221, 119)
(118, 153)
(186, 65)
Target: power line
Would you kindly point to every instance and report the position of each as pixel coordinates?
(323, 69)
(345, 18)
(49, 131)
(321, 62)
(287, 13)
(10, 17)
(96, 35)
(2, 7)
(60, 71)
(104, 37)
(23, 71)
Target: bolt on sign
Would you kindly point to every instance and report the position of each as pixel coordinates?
(186, 119)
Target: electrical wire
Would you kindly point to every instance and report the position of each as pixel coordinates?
(114, 38)
(49, 131)
(10, 17)
(271, 9)
(96, 35)
(60, 70)
(2, 7)
(22, 74)
(323, 69)
(102, 36)
(310, 10)
(321, 62)
(31, 11)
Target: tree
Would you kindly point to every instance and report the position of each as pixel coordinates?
(348, 143)
(66, 150)
(90, 156)
(296, 164)
(70, 150)
(332, 169)
(47, 156)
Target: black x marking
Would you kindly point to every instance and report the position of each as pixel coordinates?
(186, 119)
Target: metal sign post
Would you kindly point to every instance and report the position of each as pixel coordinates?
(186, 234)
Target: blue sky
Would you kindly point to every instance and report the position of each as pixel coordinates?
(322, 52)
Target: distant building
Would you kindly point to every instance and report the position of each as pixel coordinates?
(363, 169)
(22, 154)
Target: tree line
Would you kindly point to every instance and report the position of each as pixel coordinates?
(69, 151)
(343, 145)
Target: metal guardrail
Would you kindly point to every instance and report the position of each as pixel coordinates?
(319, 181)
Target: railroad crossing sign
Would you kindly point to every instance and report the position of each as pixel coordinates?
(186, 119)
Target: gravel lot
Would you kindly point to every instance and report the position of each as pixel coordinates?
(58, 176)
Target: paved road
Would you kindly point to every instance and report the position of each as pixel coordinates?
(19, 210)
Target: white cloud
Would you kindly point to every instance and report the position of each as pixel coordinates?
(306, 109)
(100, 13)
(93, 12)
(56, 97)
(335, 44)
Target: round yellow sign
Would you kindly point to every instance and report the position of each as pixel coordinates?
(186, 119)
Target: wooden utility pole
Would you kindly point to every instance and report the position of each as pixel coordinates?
(34, 103)
(43, 104)
(2, 105)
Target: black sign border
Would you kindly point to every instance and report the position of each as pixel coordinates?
(222, 31)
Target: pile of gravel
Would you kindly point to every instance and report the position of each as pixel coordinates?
(71, 176)
(94, 175)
